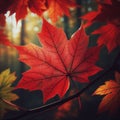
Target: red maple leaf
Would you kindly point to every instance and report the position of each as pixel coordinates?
(109, 36)
(57, 62)
(58, 8)
(20, 7)
(108, 13)
(105, 13)
(111, 100)
(37, 6)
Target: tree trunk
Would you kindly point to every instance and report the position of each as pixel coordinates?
(72, 23)
(22, 42)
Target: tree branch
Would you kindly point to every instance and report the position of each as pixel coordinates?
(64, 100)
(60, 102)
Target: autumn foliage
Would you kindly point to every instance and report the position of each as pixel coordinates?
(55, 8)
(58, 62)
(108, 13)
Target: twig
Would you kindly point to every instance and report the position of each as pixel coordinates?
(59, 102)
(64, 100)
(13, 105)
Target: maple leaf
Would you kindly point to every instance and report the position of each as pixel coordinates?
(105, 13)
(57, 62)
(111, 100)
(57, 8)
(37, 6)
(109, 36)
(89, 17)
(20, 7)
(6, 80)
(110, 32)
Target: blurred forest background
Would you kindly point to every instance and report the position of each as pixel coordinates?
(24, 32)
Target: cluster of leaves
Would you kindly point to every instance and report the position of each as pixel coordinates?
(60, 61)
(55, 8)
(108, 12)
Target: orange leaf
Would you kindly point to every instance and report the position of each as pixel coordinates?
(58, 8)
(111, 100)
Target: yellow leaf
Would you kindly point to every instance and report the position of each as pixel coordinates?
(107, 88)
(6, 80)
